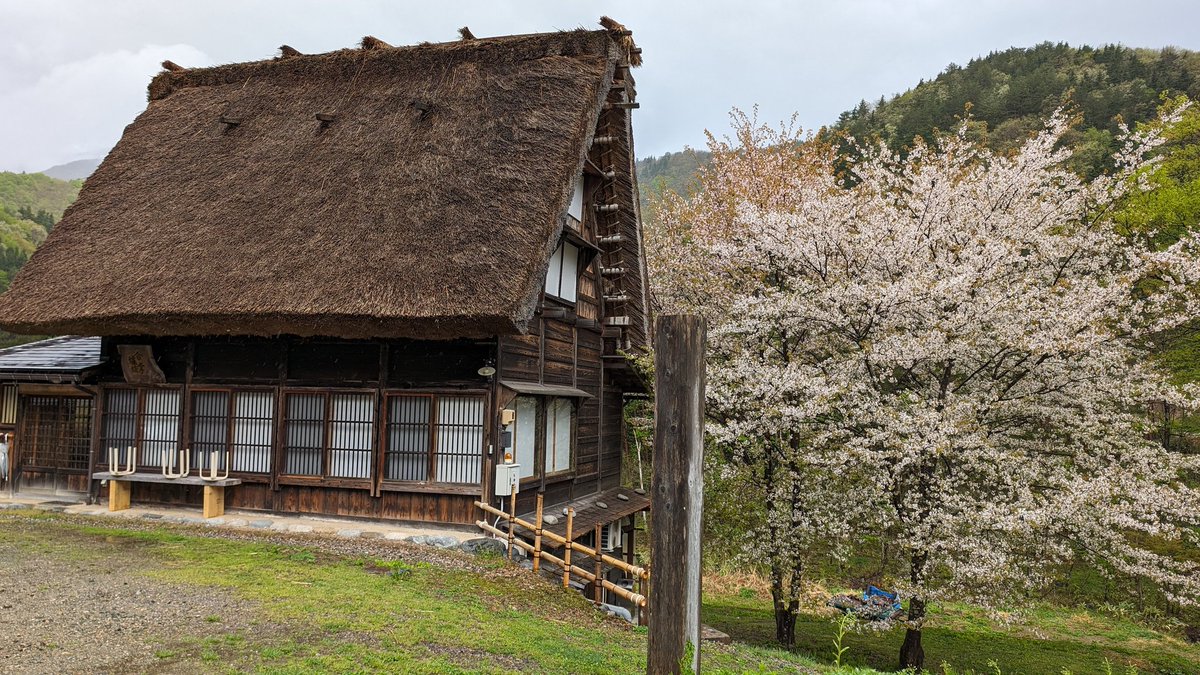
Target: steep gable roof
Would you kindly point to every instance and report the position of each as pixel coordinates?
(376, 192)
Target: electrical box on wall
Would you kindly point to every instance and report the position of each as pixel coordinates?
(508, 479)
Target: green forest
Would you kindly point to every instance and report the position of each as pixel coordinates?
(30, 205)
(1007, 94)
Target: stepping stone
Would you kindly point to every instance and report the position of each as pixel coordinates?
(349, 534)
(300, 529)
(261, 524)
(238, 522)
(394, 536)
(151, 516)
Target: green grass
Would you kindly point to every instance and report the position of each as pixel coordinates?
(322, 613)
(1043, 639)
(413, 618)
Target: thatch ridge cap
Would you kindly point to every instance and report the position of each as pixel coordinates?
(167, 82)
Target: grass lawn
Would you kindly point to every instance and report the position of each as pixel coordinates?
(1040, 640)
(317, 611)
(326, 613)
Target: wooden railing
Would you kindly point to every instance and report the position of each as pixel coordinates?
(537, 555)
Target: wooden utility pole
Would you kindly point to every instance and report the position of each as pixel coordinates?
(677, 489)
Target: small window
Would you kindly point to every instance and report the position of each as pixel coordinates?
(558, 435)
(8, 404)
(237, 425)
(550, 421)
(146, 419)
(459, 439)
(562, 277)
(434, 438)
(525, 435)
(329, 435)
(409, 438)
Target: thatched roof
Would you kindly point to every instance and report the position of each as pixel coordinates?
(375, 192)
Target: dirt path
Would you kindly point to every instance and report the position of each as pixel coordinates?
(65, 609)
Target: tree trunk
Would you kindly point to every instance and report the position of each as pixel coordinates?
(912, 654)
(785, 626)
(785, 623)
(786, 608)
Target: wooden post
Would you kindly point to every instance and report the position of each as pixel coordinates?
(677, 490)
(596, 592)
(567, 549)
(214, 501)
(537, 537)
(118, 494)
(512, 521)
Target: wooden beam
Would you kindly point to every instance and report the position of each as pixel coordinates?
(214, 501)
(118, 495)
(678, 494)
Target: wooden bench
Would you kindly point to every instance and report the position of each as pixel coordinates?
(119, 489)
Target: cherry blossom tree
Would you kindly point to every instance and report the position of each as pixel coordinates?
(946, 348)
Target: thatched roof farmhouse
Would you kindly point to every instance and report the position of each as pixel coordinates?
(369, 283)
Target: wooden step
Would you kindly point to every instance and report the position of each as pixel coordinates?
(617, 321)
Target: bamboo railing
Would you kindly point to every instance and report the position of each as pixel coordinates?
(537, 555)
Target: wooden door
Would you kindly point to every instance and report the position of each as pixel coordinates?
(53, 443)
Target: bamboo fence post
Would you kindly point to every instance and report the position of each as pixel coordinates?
(643, 611)
(512, 521)
(567, 550)
(596, 593)
(537, 536)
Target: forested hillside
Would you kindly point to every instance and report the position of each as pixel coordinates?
(674, 171)
(30, 205)
(1008, 93)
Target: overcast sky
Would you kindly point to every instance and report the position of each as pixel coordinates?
(74, 73)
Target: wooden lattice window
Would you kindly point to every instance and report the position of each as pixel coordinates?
(145, 419)
(56, 432)
(329, 434)
(434, 439)
(238, 424)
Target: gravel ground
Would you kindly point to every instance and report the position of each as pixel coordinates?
(65, 609)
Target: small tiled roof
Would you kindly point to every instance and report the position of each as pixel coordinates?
(67, 354)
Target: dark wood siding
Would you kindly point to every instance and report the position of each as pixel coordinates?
(373, 368)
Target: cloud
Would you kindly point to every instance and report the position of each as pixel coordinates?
(78, 109)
